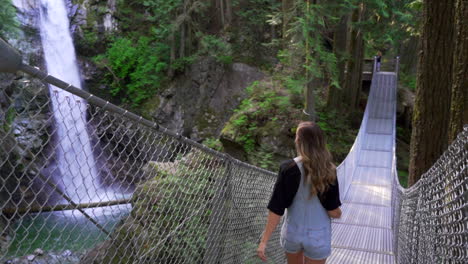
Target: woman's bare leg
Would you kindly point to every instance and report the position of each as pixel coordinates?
(295, 258)
(313, 261)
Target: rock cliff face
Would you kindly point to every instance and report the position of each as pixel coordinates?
(94, 14)
(25, 118)
(199, 103)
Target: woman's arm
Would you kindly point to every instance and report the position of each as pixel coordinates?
(334, 213)
(272, 221)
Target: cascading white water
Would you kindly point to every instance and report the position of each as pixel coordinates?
(78, 177)
(74, 152)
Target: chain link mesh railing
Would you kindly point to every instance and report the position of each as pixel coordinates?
(87, 184)
(433, 226)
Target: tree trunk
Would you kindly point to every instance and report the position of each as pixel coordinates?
(335, 94)
(355, 47)
(173, 54)
(228, 12)
(286, 10)
(189, 40)
(183, 29)
(182, 41)
(459, 105)
(221, 8)
(433, 92)
(309, 108)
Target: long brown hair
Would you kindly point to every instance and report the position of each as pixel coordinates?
(319, 169)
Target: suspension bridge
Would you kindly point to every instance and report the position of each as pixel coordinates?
(163, 198)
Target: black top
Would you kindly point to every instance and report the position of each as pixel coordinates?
(287, 184)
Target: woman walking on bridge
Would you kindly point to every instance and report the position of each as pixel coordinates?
(308, 188)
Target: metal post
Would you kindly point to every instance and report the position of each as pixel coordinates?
(397, 66)
(375, 66)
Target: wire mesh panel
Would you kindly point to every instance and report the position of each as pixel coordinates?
(92, 183)
(433, 224)
(86, 184)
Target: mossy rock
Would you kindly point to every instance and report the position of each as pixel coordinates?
(171, 212)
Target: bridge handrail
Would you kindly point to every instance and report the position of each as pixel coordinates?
(429, 218)
(192, 203)
(196, 204)
(433, 218)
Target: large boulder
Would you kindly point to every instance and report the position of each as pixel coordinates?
(261, 131)
(199, 103)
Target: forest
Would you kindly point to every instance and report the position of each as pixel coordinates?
(236, 76)
(309, 53)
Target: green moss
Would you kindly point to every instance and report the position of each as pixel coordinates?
(273, 110)
(203, 120)
(149, 106)
(403, 177)
(10, 116)
(169, 200)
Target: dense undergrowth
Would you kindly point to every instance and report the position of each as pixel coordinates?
(264, 124)
(158, 41)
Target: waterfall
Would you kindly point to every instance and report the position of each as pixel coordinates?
(75, 159)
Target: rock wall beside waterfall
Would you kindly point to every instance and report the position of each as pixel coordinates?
(25, 121)
(199, 103)
(24, 130)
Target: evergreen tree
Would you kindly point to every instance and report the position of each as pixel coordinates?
(434, 84)
(459, 104)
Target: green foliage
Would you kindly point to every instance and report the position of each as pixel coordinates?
(159, 39)
(158, 10)
(258, 13)
(264, 158)
(10, 116)
(260, 110)
(416, 5)
(319, 59)
(174, 206)
(135, 70)
(155, 17)
(254, 19)
(181, 63)
(391, 23)
(215, 47)
(8, 21)
(340, 137)
(408, 80)
(90, 37)
(295, 86)
(403, 178)
(213, 143)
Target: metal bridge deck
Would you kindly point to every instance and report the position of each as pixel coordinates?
(364, 233)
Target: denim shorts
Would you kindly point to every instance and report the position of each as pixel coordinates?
(316, 243)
